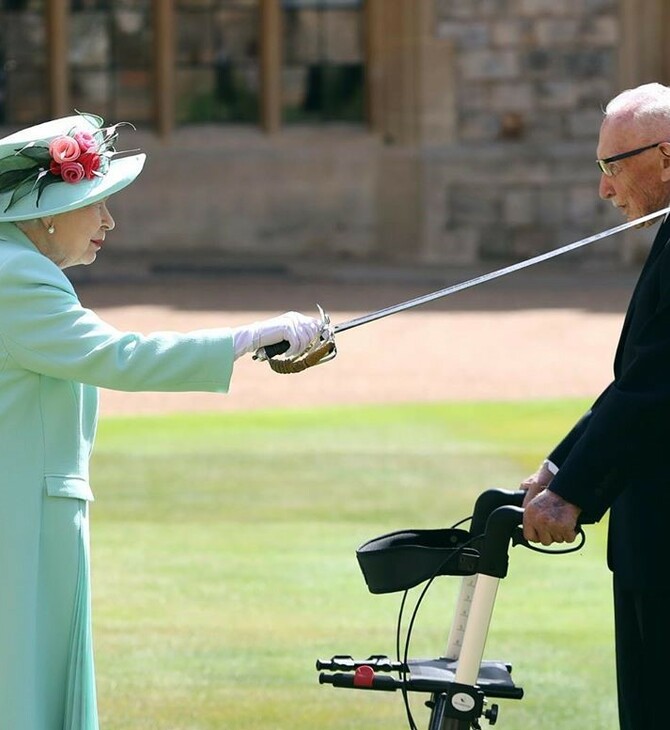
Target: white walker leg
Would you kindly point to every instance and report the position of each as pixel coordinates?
(476, 630)
(461, 613)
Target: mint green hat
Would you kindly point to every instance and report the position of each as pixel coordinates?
(62, 165)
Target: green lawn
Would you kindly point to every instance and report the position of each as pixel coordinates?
(223, 550)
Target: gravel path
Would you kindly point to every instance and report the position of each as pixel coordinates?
(531, 335)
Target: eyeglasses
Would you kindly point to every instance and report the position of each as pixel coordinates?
(604, 164)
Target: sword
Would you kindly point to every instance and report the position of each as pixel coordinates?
(329, 331)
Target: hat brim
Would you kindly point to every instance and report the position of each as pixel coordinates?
(62, 197)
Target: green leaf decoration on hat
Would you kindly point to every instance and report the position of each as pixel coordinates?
(11, 178)
(25, 188)
(37, 152)
(15, 162)
(17, 175)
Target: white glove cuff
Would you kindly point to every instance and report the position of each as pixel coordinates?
(243, 341)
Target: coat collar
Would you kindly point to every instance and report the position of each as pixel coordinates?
(11, 232)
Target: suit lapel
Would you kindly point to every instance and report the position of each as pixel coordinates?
(660, 241)
(658, 245)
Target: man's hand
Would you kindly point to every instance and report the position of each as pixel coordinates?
(535, 483)
(549, 518)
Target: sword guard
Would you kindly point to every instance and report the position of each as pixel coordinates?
(321, 350)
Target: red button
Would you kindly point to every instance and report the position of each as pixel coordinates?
(364, 676)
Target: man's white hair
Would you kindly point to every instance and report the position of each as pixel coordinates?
(648, 104)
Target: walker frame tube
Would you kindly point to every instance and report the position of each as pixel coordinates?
(476, 629)
(461, 613)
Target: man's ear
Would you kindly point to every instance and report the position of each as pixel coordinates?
(664, 149)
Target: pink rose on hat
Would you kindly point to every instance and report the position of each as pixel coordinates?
(90, 161)
(86, 141)
(72, 172)
(64, 149)
(74, 157)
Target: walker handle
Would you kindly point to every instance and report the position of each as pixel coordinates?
(489, 501)
(500, 527)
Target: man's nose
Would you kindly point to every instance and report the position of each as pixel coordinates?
(606, 189)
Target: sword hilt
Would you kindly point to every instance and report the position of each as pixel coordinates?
(277, 349)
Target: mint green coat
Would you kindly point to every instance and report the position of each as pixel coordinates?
(53, 356)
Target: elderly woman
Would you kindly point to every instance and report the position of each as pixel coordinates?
(55, 181)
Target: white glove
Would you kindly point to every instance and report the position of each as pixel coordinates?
(297, 329)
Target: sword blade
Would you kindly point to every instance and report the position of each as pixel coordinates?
(447, 291)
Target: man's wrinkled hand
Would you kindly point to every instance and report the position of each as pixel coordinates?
(548, 518)
(536, 483)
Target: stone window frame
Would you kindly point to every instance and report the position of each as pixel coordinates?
(406, 101)
(165, 63)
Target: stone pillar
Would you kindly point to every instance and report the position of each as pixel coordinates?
(411, 104)
(410, 84)
(164, 66)
(436, 94)
(57, 29)
(644, 53)
(271, 65)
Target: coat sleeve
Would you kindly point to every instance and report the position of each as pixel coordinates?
(44, 329)
(625, 435)
(561, 451)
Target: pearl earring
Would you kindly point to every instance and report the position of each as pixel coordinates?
(51, 228)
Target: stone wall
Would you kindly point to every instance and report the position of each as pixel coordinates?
(220, 196)
(534, 70)
(531, 78)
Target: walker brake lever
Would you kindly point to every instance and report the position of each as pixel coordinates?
(519, 539)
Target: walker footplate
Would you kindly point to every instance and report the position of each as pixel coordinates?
(419, 675)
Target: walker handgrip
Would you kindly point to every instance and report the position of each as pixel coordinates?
(489, 501)
(277, 349)
(384, 683)
(500, 527)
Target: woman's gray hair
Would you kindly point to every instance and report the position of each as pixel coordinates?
(22, 225)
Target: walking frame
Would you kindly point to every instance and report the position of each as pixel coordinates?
(460, 683)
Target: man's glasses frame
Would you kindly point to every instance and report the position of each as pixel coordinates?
(604, 163)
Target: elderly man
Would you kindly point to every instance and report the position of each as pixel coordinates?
(616, 456)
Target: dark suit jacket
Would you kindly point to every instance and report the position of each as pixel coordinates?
(618, 454)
